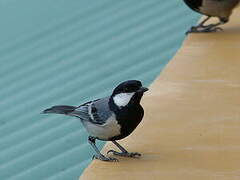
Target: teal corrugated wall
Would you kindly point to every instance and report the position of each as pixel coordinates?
(68, 52)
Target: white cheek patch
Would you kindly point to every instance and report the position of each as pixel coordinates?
(122, 99)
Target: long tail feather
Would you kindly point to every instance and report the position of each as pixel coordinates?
(61, 109)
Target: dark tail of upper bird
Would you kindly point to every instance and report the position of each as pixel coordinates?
(61, 109)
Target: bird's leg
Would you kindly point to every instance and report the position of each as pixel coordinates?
(123, 152)
(214, 27)
(207, 28)
(99, 156)
(201, 24)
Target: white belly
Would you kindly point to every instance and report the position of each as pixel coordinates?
(110, 129)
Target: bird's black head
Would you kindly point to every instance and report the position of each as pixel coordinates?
(130, 91)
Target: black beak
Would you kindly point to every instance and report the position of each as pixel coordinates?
(143, 89)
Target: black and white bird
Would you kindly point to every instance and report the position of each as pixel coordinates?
(221, 9)
(111, 118)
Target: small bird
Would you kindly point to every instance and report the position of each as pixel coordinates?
(221, 9)
(111, 118)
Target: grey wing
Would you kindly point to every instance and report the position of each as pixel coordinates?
(94, 111)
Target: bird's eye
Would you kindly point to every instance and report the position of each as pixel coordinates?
(126, 89)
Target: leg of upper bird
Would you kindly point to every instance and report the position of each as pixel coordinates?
(208, 28)
(99, 156)
(204, 20)
(123, 152)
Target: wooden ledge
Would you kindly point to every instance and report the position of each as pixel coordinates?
(191, 128)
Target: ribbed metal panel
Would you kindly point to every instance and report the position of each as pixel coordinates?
(68, 52)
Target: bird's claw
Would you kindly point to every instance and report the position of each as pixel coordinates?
(217, 29)
(193, 29)
(125, 154)
(200, 29)
(103, 158)
(212, 29)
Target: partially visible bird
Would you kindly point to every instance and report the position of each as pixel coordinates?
(221, 9)
(111, 118)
